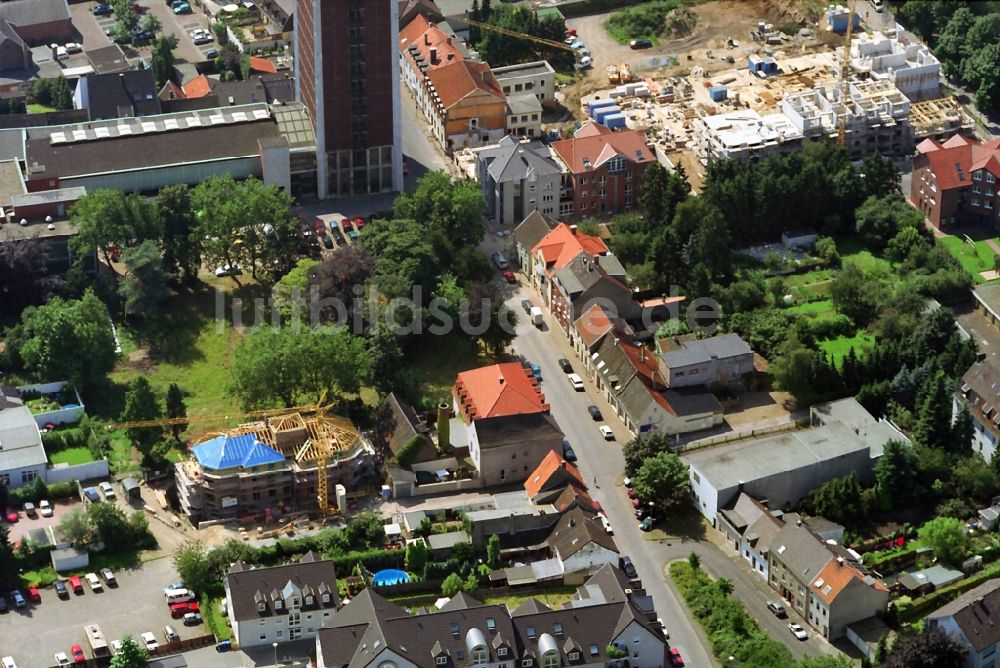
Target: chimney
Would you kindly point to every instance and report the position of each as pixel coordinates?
(444, 426)
(451, 57)
(434, 55)
(573, 228)
(427, 39)
(449, 40)
(840, 562)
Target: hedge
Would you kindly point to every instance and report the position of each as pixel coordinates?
(373, 560)
(35, 493)
(409, 450)
(911, 610)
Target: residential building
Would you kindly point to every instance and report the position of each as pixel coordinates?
(589, 330)
(108, 59)
(604, 170)
(536, 78)
(954, 183)
(22, 457)
(581, 544)
(410, 9)
(347, 76)
(39, 21)
(631, 380)
(717, 360)
(279, 13)
(14, 52)
(55, 235)
(586, 281)
(371, 630)
(744, 134)
(980, 392)
(899, 57)
(518, 178)
(877, 117)
(423, 47)
(507, 421)
(556, 250)
(119, 95)
(969, 619)
(784, 467)
(548, 481)
(524, 115)
(750, 526)
(526, 235)
(269, 468)
(987, 298)
(823, 582)
(397, 426)
(282, 603)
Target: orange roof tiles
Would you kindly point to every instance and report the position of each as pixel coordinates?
(424, 36)
(592, 146)
(954, 161)
(200, 86)
(501, 389)
(835, 577)
(258, 64)
(550, 466)
(593, 324)
(563, 243)
(459, 79)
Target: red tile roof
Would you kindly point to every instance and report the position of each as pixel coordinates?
(258, 64)
(954, 161)
(592, 146)
(501, 389)
(835, 577)
(200, 86)
(459, 79)
(928, 145)
(550, 466)
(593, 324)
(425, 36)
(563, 243)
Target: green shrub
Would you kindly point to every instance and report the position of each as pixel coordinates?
(831, 326)
(409, 450)
(645, 21)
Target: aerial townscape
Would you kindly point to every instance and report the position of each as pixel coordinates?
(499, 333)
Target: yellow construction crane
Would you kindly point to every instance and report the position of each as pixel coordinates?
(845, 66)
(520, 35)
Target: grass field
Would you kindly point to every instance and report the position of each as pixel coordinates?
(838, 348)
(71, 456)
(554, 597)
(439, 358)
(35, 108)
(214, 620)
(812, 308)
(974, 259)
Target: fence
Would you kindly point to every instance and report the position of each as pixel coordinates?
(86, 471)
(740, 435)
(62, 416)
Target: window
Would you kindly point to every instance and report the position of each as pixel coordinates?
(593, 650)
(602, 192)
(975, 201)
(480, 656)
(325, 598)
(989, 204)
(557, 628)
(263, 636)
(990, 178)
(976, 189)
(616, 164)
(387, 664)
(491, 624)
(527, 663)
(583, 194)
(529, 85)
(502, 651)
(27, 476)
(574, 656)
(279, 634)
(441, 660)
(977, 175)
(604, 180)
(453, 627)
(550, 660)
(310, 599)
(263, 622)
(261, 608)
(531, 633)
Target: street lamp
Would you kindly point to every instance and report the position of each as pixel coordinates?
(275, 646)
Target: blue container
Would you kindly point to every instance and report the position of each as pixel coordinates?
(614, 121)
(718, 93)
(604, 112)
(597, 104)
(755, 63)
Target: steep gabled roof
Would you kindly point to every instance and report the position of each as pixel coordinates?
(309, 576)
(592, 146)
(553, 472)
(500, 389)
(575, 531)
(533, 229)
(973, 612)
(457, 80)
(837, 576)
(565, 242)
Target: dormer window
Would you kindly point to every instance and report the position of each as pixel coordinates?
(531, 633)
(502, 651)
(261, 607)
(441, 660)
(593, 650)
(278, 604)
(574, 656)
(310, 600)
(325, 598)
(557, 628)
(551, 660)
(977, 175)
(527, 663)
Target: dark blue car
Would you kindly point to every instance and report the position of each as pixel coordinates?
(102, 10)
(91, 494)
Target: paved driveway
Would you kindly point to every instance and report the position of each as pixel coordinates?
(32, 635)
(602, 465)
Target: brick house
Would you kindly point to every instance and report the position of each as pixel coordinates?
(587, 281)
(556, 250)
(955, 182)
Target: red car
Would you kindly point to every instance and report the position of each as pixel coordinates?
(675, 657)
(74, 583)
(33, 595)
(509, 277)
(178, 610)
(348, 225)
(319, 226)
(77, 653)
(359, 222)
(636, 503)
(11, 515)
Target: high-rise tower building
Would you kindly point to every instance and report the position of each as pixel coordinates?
(347, 64)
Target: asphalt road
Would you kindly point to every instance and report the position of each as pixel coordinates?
(602, 465)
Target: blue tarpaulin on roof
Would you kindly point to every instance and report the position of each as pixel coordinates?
(226, 452)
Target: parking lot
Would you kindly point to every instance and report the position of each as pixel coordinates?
(26, 524)
(33, 634)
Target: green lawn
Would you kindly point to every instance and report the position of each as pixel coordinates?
(974, 259)
(215, 621)
(812, 308)
(554, 597)
(439, 358)
(35, 108)
(838, 348)
(71, 456)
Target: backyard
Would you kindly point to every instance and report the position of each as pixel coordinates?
(975, 258)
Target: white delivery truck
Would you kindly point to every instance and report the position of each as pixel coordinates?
(536, 316)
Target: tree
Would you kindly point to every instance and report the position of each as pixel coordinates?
(386, 358)
(895, 473)
(145, 284)
(9, 578)
(125, 14)
(290, 293)
(65, 339)
(416, 556)
(76, 527)
(404, 257)
(451, 585)
(931, 647)
(141, 404)
(663, 480)
(838, 500)
(176, 408)
(151, 23)
(947, 537)
(110, 525)
(973, 481)
(439, 203)
(24, 275)
(644, 446)
(181, 245)
(366, 531)
(879, 177)
(192, 565)
(130, 655)
(471, 584)
(963, 430)
(108, 219)
(493, 551)
(53, 93)
(879, 219)
(933, 428)
(855, 295)
(337, 276)
(694, 561)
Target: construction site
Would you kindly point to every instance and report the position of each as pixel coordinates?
(276, 468)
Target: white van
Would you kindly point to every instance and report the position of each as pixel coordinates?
(575, 381)
(500, 260)
(179, 596)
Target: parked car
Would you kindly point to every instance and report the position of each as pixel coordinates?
(116, 646)
(565, 365)
(676, 659)
(8, 662)
(178, 610)
(109, 577)
(575, 381)
(61, 590)
(798, 631)
(140, 35)
(536, 371)
(18, 598)
(62, 659)
(212, 53)
(33, 594)
(628, 568)
(607, 525)
(45, 508)
(606, 432)
(663, 628)
(170, 634)
(192, 619)
(226, 270)
(73, 47)
(182, 8)
(108, 491)
(777, 609)
(595, 412)
(29, 509)
(526, 305)
(327, 242)
(201, 36)
(173, 587)
(75, 584)
(95, 584)
(11, 515)
(77, 653)
(149, 640)
(568, 453)
(640, 44)
(647, 523)
(509, 277)
(102, 9)
(91, 494)
(338, 237)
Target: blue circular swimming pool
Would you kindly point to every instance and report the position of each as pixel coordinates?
(390, 576)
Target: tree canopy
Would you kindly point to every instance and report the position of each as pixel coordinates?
(930, 647)
(663, 481)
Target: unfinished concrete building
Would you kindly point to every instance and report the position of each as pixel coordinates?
(744, 134)
(270, 467)
(878, 117)
(900, 59)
